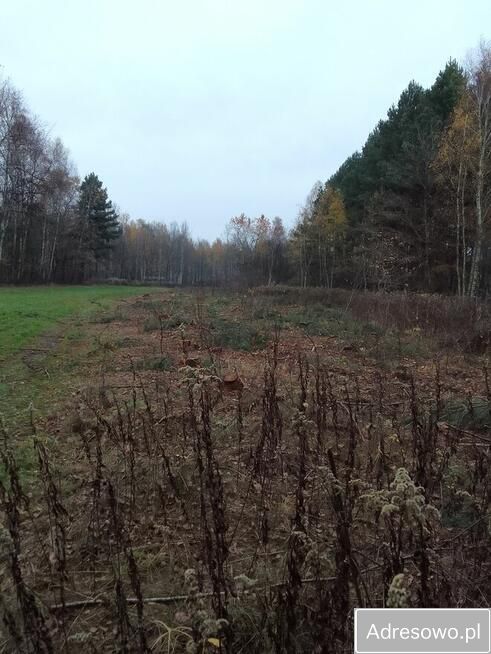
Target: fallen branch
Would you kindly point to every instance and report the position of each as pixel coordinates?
(465, 432)
(173, 599)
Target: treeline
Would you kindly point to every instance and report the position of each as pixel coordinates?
(411, 210)
(254, 251)
(55, 228)
(52, 228)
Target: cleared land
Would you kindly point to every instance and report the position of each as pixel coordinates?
(238, 471)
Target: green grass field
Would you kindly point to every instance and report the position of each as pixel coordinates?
(28, 312)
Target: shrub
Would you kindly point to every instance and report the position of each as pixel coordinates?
(455, 321)
(237, 335)
(468, 413)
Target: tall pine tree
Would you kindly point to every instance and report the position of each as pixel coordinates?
(99, 224)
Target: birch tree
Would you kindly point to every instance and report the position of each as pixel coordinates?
(479, 72)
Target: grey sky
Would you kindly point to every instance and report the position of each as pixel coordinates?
(198, 110)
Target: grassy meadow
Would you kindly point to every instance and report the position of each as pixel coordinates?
(43, 341)
(27, 312)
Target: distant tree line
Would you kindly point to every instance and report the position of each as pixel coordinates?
(56, 228)
(411, 210)
(254, 251)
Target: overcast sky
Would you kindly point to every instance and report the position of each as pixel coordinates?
(198, 110)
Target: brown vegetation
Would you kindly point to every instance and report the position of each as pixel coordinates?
(247, 502)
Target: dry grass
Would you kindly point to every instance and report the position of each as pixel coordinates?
(174, 514)
(462, 323)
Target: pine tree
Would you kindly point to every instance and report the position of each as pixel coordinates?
(99, 224)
